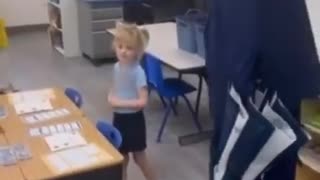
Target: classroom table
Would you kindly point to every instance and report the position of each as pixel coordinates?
(163, 44)
(304, 172)
(16, 131)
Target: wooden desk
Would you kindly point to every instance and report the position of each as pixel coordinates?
(306, 173)
(310, 170)
(17, 131)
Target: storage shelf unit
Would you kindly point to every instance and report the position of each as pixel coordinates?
(96, 16)
(63, 30)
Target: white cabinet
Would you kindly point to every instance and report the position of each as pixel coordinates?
(19, 14)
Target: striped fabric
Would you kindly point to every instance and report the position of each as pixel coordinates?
(251, 140)
(281, 139)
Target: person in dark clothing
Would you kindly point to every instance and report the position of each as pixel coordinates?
(138, 12)
(269, 40)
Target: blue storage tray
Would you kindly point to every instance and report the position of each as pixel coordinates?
(200, 28)
(186, 31)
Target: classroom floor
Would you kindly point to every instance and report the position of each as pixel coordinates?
(30, 63)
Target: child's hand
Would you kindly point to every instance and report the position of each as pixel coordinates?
(113, 100)
(139, 104)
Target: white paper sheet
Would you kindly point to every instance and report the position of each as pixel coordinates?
(25, 96)
(35, 132)
(67, 127)
(91, 149)
(75, 126)
(32, 106)
(45, 130)
(58, 163)
(60, 128)
(53, 129)
(77, 158)
(62, 141)
(30, 119)
(45, 116)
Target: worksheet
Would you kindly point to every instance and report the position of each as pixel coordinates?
(31, 106)
(37, 95)
(45, 116)
(76, 158)
(67, 140)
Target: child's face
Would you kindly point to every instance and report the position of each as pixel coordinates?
(126, 53)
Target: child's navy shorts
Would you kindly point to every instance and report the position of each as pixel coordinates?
(132, 127)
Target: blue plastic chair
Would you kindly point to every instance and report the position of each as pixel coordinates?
(110, 132)
(150, 86)
(169, 89)
(74, 96)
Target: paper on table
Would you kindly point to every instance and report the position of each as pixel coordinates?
(59, 113)
(35, 132)
(60, 128)
(45, 130)
(67, 127)
(30, 119)
(32, 106)
(21, 97)
(65, 111)
(62, 141)
(75, 126)
(76, 158)
(40, 117)
(45, 116)
(57, 163)
(53, 129)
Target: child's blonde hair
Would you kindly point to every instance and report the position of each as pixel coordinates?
(131, 35)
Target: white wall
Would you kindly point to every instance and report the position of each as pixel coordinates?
(21, 12)
(314, 14)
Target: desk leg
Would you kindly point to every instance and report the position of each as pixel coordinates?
(176, 99)
(199, 95)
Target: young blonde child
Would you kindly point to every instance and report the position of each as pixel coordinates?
(129, 95)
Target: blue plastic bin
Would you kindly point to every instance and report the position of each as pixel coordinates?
(186, 30)
(200, 27)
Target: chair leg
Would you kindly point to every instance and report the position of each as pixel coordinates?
(162, 100)
(175, 112)
(176, 100)
(164, 122)
(194, 116)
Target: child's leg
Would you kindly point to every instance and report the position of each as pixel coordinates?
(125, 165)
(141, 160)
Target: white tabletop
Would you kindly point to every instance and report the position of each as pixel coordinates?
(164, 45)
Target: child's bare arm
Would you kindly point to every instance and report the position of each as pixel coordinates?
(139, 103)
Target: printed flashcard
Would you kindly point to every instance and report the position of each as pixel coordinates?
(45, 116)
(73, 126)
